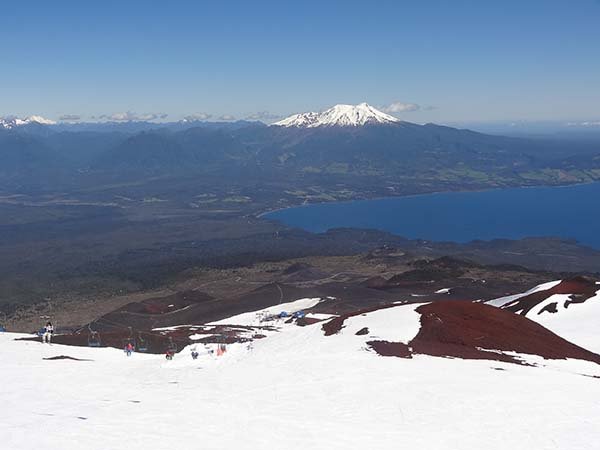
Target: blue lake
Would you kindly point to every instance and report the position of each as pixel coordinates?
(566, 212)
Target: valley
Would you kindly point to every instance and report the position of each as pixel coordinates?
(316, 225)
(102, 211)
(107, 211)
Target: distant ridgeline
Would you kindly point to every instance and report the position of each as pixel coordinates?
(357, 145)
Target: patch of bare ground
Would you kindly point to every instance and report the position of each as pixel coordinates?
(468, 330)
(477, 331)
(385, 348)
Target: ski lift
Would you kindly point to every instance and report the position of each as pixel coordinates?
(94, 339)
(172, 347)
(142, 343)
(129, 340)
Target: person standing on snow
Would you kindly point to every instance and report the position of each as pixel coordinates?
(48, 331)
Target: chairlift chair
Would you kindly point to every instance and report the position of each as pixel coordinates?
(142, 344)
(130, 340)
(172, 347)
(94, 339)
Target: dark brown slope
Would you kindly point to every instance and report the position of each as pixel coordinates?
(475, 331)
(468, 330)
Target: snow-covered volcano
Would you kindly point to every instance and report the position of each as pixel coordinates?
(339, 115)
(333, 385)
(11, 122)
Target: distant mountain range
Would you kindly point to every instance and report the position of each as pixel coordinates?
(345, 140)
(12, 122)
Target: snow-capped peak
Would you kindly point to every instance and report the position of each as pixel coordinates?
(11, 121)
(339, 115)
(40, 120)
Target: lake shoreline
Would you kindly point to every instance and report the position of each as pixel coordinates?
(459, 216)
(262, 214)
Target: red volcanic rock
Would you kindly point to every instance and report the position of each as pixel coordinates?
(304, 321)
(468, 330)
(479, 331)
(385, 348)
(580, 289)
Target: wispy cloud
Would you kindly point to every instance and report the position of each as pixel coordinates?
(197, 116)
(130, 116)
(584, 124)
(264, 116)
(70, 118)
(400, 107)
(226, 117)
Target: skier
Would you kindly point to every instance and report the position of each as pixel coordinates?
(169, 354)
(194, 354)
(48, 331)
(129, 349)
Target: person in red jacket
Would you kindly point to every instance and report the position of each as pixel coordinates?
(129, 348)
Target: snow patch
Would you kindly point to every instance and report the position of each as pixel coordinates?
(398, 324)
(499, 302)
(254, 317)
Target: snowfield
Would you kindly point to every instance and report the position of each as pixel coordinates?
(295, 389)
(400, 324)
(577, 322)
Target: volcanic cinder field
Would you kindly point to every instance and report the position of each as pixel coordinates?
(324, 385)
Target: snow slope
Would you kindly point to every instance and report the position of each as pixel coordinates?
(400, 324)
(579, 323)
(339, 115)
(576, 322)
(296, 389)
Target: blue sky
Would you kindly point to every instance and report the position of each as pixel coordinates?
(447, 61)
